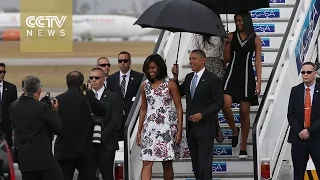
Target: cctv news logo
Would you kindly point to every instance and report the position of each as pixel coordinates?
(48, 26)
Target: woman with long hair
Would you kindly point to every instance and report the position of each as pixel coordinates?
(160, 125)
(240, 85)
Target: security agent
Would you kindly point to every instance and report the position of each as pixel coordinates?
(33, 123)
(73, 147)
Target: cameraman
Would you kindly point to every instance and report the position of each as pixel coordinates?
(34, 122)
(73, 147)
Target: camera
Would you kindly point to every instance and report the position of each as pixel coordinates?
(47, 99)
(97, 126)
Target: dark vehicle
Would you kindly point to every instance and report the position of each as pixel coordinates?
(6, 163)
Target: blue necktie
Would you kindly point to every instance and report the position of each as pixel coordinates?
(194, 84)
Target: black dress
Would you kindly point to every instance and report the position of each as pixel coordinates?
(239, 80)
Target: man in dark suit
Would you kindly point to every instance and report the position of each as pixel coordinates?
(204, 97)
(105, 152)
(304, 120)
(73, 147)
(34, 123)
(104, 64)
(126, 83)
(8, 94)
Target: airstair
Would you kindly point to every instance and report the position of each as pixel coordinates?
(265, 145)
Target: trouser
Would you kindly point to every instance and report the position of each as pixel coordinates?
(53, 173)
(83, 164)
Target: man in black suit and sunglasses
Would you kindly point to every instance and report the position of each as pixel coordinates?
(126, 83)
(104, 64)
(8, 94)
(304, 121)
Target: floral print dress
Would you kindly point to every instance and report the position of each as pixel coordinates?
(160, 125)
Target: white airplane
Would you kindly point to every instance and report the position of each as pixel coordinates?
(88, 26)
(112, 26)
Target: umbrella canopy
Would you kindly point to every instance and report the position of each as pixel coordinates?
(233, 6)
(182, 16)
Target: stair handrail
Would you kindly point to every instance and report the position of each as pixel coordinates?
(132, 119)
(284, 51)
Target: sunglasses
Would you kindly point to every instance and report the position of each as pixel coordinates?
(3, 72)
(94, 77)
(123, 60)
(308, 72)
(104, 65)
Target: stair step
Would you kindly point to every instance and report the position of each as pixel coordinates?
(270, 50)
(258, 20)
(271, 34)
(235, 110)
(216, 176)
(265, 27)
(220, 165)
(186, 66)
(221, 151)
(224, 149)
(227, 133)
(267, 57)
(275, 12)
(281, 5)
(288, 2)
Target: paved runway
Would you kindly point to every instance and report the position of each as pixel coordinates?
(62, 61)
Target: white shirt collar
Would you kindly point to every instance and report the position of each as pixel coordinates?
(311, 87)
(1, 83)
(128, 73)
(200, 72)
(99, 92)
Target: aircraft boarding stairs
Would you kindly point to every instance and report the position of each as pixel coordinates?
(271, 25)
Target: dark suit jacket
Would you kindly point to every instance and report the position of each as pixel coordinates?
(132, 89)
(75, 139)
(296, 113)
(9, 95)
(208, 100)
(112, 120)
(33, 124)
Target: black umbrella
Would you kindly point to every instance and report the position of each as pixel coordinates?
(233, 6)
(182, 16)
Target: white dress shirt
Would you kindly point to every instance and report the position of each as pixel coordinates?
(99, 92)
(311, 91)
(199, 74)
(1, 89)
(127, 80)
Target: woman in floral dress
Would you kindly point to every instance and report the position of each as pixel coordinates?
(160, 125)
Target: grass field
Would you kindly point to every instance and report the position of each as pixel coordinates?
(51, 76)
(11, 49)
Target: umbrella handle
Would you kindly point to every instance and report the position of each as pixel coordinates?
(178, 49)
(227, 16)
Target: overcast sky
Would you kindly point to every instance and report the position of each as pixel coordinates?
(98, 6)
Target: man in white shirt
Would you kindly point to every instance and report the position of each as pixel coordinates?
(204, 99)
(104, 64)
(126, 83)
(105, 152)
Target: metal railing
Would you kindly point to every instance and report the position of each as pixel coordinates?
(281, 54)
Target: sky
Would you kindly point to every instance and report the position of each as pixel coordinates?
(130, 7)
